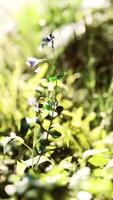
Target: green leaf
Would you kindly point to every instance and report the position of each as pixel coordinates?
(59, 128)
(98, 160)
(92, 152)
(5, 143)
(55, 134)
(55, 177)
(31, 121)
(12, 138)
(47, 107)
(24, 126)
(33, 161)
(59, 109)
(55, 78)
(27, 123)
(52, 79)
(19, 139)
(97, 185)
(60, 76)
(67, 164)
(20, 168)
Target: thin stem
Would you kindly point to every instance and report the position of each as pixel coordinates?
(27, 147)
(30, 151)
(54, 58)
(48, 132)
(51, 121)
(54, 61)
(56, 91)
(33, 150)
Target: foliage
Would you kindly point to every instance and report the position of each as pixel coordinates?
(56, 131)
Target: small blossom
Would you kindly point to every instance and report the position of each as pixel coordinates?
(37, 71)
(31, 101)
(48, 40)
(32, 62)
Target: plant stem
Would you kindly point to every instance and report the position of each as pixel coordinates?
(48, 132)
(54, 58)
(32, 156)
(51, 121)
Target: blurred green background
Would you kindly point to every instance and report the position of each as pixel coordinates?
(83, 33)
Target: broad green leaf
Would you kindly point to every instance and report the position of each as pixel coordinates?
(67, 164)
(98, 160)
(20, 168)
(91, 116)
(33, 161)
(92, 152)
(77, 118)
(67, 104)
(67, 113)
(97, 185)
(96, 133)
(56, 176)
(36, 135)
